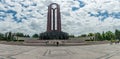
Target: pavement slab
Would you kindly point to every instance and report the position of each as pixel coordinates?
(102, 51)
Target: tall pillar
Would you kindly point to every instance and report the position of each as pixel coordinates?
(49, 19)
(58, 19)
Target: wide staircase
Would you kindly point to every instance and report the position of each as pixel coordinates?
(54, 42)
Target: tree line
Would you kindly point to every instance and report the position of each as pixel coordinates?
(9, 36)
(109, 35)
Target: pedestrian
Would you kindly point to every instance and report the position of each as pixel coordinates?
(57, 43)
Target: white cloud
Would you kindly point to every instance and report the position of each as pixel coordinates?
(74, 22)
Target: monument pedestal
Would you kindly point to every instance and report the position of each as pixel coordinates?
(54, 35)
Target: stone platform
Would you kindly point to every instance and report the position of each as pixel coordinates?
(103, 51)
(62, 42)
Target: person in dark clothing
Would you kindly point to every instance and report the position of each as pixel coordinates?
(57, 43)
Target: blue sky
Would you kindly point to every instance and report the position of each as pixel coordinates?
(78, 16)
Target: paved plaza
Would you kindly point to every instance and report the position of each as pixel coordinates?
(103, 51)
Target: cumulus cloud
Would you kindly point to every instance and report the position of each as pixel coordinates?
(31, 15)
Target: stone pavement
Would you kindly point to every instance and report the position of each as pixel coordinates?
(103, 51)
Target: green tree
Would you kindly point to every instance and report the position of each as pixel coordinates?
(1, 36)
(117, 34)
(83, 35)
(20, 34)
(103, 36)
(90, 34)
(98, 36)
(71, 36)
(110, 35)
(9, 36)
(35, 36)
(26, 36)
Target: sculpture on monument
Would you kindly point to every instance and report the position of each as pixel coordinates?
(54, 24)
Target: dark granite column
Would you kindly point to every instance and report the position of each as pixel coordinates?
(58, 19)
(49, 19)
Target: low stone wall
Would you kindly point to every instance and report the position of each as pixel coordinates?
(63, 42)
(97, 42)
(54, 42)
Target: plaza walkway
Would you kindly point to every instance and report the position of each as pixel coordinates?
(103, 51)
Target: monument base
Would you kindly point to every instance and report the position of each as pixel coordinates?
(54, 35)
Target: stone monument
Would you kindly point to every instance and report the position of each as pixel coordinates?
(54, 24)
